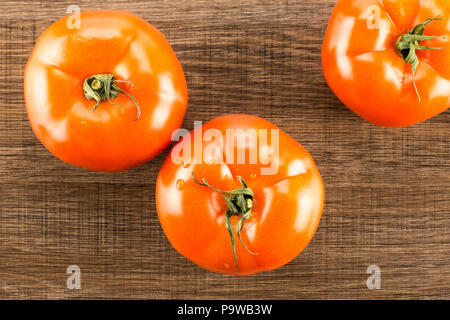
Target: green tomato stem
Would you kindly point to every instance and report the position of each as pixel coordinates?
(407, 44)
(240, 203)
(102, 87)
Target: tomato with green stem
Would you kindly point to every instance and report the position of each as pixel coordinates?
(239, 215)
(389, 60)
(106, 94)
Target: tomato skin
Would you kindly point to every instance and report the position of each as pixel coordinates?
(286, 212)
(107, 139)
(365, 72)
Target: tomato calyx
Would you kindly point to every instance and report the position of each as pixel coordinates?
(240, 203)
(102, 87)
(407, 44)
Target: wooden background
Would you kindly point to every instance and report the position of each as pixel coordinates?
(387, 190)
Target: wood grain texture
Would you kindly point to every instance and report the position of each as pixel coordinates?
(387, 191)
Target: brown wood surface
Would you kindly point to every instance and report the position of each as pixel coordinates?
(387, 190)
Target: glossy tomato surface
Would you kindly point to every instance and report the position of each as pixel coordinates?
(287, 205)
(370, 77)
(109, 138)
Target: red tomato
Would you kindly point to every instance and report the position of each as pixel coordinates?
(278, 209)
(377, 58)
(115, 55)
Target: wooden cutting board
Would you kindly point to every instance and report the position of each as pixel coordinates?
(387, 190)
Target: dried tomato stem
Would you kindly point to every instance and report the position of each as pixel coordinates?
(240, 203)
(102, 87)
(407, 44)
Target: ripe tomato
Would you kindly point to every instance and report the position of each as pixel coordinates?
(245, 174)
(389, 61)
(113, 54)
